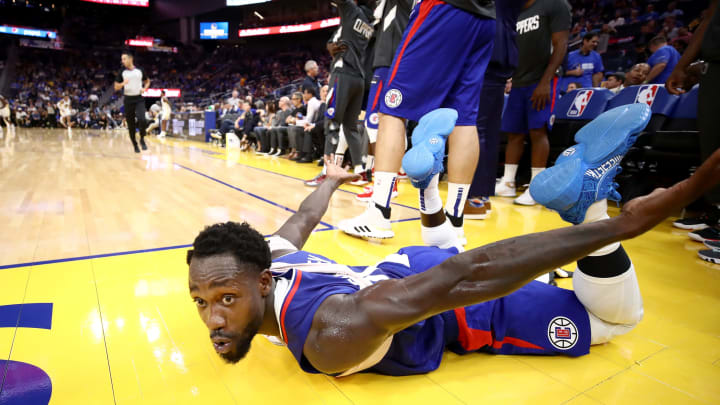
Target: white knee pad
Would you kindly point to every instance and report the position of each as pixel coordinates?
(614, 304)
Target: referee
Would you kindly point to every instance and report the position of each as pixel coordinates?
(132, 83)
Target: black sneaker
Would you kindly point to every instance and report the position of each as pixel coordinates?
(712, 256)
(714, 245)
(142, 144)
(695, 224)
(707, 234)
(137, 149)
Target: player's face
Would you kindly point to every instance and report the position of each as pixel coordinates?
(230, 300)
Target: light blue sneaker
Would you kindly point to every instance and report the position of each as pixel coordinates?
(585, 173)
(425, 159)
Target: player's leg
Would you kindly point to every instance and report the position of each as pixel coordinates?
(488, 126)
(350, 123)
(141, 122)
(413, 89)
(540, 145)
(515, 125)
(130, 112)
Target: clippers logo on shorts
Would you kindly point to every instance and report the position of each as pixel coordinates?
(647, 94)
(393, 98)
(374, 118)
(562, 333)
(580, 103)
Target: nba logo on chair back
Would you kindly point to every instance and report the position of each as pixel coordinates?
(581, 101)
(647, 94)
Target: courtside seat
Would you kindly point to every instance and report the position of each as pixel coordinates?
(677, 144)
(572, 112)
(660, 101)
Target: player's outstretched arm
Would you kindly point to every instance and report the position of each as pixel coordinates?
(300, 225)
(373, 314)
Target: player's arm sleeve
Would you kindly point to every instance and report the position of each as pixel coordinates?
(560, 16)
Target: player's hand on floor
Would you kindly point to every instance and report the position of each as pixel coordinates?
(335, 172)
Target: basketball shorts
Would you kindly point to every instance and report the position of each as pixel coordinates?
(440, 62)
(520, 116)
(536, 319)
(373, 106)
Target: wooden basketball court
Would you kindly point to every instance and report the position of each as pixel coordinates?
(101, 233)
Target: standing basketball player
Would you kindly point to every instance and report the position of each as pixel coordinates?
(165, 115)
(65, 107)
(347, 83)
(542, 36)
(133, 83)
(440, 62)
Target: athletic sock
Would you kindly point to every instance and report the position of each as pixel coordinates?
(456, 196)
(534, 171)
(598, 212)
(430, 201)
(359, 169)
(509, 173)
(370, 163)
(382, 191)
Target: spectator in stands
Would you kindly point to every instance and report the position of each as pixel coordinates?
(313, 131)
(662, 61)
(614, 82)
(637, 75)
(650, 14)
(584, 64)
(311, 79)
(573, 86)
(246, 124)
(618, 20)
(261, 131)
(295, 131)
(52, 117)
(634, 17)
(670, 28)
(234, 100)
(672, 10)
(278, 133)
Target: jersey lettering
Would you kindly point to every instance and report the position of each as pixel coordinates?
(362, 28)
(528, 24)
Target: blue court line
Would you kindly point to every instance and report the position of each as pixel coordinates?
(37, 316)
(244, 191)
(213, 154)
(129, 252)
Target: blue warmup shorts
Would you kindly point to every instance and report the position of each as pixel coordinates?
(520, 116)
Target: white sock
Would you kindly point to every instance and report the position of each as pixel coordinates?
(442, 236)
(535, 171)
(456, 196)
(510, 173)
(359, 169)
(370, 163)
(339, 157)
(382, 191)
(598, 212)
(430, 201)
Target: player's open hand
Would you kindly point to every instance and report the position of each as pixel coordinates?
(335, 172)
(541, 96)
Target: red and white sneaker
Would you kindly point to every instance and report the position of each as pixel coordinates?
(367, 193)
(316, 181)
(402, 174)
(363, 180)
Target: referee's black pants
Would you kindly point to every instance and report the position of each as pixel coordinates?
(135, 109)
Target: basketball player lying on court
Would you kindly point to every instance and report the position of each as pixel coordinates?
(398, 316)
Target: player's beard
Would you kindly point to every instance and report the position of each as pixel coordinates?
(239, 342)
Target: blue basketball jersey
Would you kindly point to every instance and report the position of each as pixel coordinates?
(536, 319)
